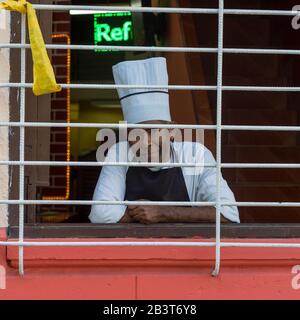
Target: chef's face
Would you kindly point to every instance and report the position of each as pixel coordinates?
(151, 145)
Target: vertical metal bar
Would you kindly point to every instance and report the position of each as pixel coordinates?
(219, 136)
(22, 144)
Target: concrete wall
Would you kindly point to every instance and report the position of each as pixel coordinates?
(4, 111)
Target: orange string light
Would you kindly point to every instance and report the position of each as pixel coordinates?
(68, 120)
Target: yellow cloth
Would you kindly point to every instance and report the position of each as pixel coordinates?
(43, 75)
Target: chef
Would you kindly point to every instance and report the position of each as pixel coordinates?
(118, 183)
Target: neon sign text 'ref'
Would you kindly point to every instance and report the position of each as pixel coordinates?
(113, 27)
(104, 32)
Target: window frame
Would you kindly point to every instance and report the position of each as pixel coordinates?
(84, 230)
(33, 176)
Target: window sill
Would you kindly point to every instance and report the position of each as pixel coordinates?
(163, 230)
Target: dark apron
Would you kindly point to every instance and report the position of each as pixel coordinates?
(163, 185)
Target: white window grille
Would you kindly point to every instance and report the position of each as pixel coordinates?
(22, 124)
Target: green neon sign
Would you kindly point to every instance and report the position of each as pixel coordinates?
(113, 28)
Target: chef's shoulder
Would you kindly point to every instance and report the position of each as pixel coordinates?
(118, 152)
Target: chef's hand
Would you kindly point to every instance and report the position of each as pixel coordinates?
(145, 214)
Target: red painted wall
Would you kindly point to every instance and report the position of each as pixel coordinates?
(150, 273)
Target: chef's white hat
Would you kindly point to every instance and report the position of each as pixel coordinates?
(141, 105)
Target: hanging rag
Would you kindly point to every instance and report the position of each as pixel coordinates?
(43, 75)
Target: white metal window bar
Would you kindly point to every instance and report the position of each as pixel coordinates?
(22, 144)
(218, 244)
(219, 136)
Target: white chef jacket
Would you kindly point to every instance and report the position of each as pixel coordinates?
(200, 182)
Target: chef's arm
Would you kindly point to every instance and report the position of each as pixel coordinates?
(126, 218)
(170, 214)
(190, 214)
(206, 190)
(110, 187)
